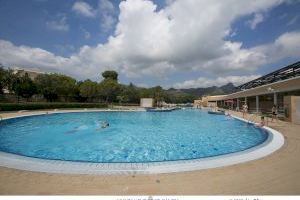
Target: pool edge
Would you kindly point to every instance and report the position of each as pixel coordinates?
(274, 142)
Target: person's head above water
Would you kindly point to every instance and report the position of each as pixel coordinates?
(105, 124)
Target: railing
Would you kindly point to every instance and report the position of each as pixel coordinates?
(287, 72)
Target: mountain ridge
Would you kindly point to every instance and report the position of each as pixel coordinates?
(213, 90)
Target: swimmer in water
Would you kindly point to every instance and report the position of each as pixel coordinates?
(105, 124)
(101, 125)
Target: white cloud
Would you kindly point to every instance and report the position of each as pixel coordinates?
(257, 19)
(84, 9)
(80, 65)
(220, 81)
(169, 2)
(65, 49)
(143, 85)
(58, 25)
(108, 22)
(285, 46)
(107, 12)
(106, 5)
(156, 43)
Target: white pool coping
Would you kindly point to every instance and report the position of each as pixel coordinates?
(274, 142)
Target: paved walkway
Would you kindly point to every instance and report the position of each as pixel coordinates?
(277, 174)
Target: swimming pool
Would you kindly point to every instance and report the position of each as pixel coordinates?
(132, 137)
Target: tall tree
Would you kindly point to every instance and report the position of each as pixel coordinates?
(66, 86)
(2, 78)
(46, 86)
(110, 75)
(88, 89)
(54, 85)
(109, 89)
(7, 78)
(24, 86)
(130, 93)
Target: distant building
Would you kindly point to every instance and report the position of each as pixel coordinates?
(147, 102)
(198, 103)
(31, 73)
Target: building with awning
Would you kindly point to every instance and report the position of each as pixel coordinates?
(280, 88)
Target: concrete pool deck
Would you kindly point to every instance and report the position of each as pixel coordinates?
(278, 173)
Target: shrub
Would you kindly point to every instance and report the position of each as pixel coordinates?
(40, 106)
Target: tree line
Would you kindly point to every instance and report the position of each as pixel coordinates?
(59, 87)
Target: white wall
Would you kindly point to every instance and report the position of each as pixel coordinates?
(146, 102)
(296, 109)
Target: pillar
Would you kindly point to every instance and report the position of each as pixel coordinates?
(275, 98)
(257, 104)
(237, 104)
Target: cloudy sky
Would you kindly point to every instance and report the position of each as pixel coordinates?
(173, 43)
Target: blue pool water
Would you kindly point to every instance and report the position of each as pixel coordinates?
(131, 136)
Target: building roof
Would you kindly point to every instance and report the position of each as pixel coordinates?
(282, 80)
(291, 84)
(18, 69)
(284, 73)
